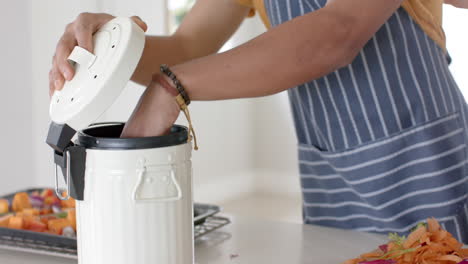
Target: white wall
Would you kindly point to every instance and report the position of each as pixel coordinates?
(455, 21)
(15, 101)
(260, 136)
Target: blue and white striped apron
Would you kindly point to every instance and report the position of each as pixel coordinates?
(382, 142)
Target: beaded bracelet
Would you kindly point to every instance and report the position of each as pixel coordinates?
(165, 69)
(160, 79)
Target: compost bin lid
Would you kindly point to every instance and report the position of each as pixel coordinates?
(100, 76)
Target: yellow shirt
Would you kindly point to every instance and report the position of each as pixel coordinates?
(426, 13)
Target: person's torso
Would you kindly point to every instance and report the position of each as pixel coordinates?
(382, 141)
(399, 79)
(426, 13)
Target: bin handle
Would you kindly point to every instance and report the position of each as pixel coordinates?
(67, 165)
(141, 183)
(82, 57)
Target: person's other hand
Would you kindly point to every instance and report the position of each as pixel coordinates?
(79, 32)
(154, 114)
(457, 3)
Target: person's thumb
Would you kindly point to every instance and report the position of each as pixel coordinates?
(140, 22)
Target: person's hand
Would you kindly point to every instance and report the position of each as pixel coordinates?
(457, 3)
(154, 114)
(79, 32)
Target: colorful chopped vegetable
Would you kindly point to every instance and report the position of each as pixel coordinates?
(52, 200)
(56, 209)
(379, 261)
(56, 226)
(39, 212)
(16, 222)
(70, 203)
(37, 226)
(426, 244)
(68, 231)
(5, 220)
(36, 201)
(30, 211)
(71, 217)
(47, 192)
(47, 218)
(4, 206)
(384, 248)
(21, 202)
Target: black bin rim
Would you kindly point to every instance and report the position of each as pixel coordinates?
(107, 136)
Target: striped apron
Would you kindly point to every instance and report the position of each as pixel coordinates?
(382, 142)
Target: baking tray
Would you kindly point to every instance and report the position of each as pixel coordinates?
(56, 245)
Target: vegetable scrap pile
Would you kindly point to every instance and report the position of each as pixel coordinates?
(427, 244)
(39, 212)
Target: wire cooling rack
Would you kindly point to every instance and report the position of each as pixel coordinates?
(22, 244)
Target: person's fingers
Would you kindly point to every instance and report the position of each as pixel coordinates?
(140, 22)
(64, 48)
(451, 2)
(84, 28)
(457, 3)
(84, 37)
(461, 4)
(51, 84)
(101, 19)
(58, 80)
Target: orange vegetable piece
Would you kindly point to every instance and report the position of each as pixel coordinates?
(16, 222)
(46, 219)
(352, 261)
(373, 254)
(37, 226)
(47, 192)
(451, 258)
(432, 225)
(453, 243)
(4, 206)
(414, 237)
(45, 211)
(5, 220)
(408, 257)
(50, 200)
(28, 220)
(30, 211)
(56, 226)
(425, 245)
(70, 203)
(463, 252)
(71, 217)
(391, 246)
(21, 202)
(439, 235)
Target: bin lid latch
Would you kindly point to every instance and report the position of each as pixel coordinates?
(70, 158)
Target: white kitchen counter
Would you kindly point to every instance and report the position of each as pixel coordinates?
(249, 241)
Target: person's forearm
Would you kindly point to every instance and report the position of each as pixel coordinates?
(197, 36)
(158, 50)
(295, 52)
